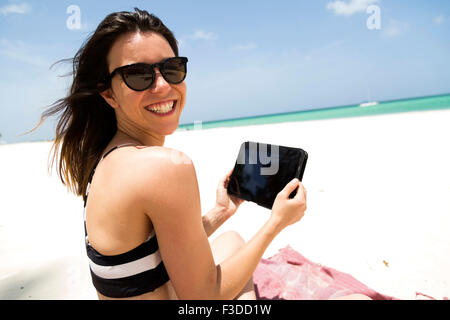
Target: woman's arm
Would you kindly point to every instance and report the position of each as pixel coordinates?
(214, 219)
(169, 195)
(242, 264)
(226, 206)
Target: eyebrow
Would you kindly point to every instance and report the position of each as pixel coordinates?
(132, 63)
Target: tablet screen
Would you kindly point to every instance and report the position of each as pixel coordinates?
(263, 170)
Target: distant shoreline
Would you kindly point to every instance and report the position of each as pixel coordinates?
(425, 103)
(434, 102)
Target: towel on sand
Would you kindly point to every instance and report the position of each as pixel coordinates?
(290, 276)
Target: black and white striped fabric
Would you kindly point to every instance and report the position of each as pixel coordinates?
(129, 274)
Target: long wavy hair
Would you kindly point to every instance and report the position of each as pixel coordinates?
(86, 122)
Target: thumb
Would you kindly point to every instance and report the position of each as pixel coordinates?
(289, 188)
(226, 179)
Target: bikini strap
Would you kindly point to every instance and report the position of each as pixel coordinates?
(116, 147)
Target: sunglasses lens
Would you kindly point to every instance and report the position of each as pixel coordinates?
(174, 70)
(138, 77)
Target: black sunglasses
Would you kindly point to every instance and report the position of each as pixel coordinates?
(140, 76)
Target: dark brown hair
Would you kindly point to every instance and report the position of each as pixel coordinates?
(87, 123)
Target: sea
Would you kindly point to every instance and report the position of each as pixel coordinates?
(435, 102)
(369, 108)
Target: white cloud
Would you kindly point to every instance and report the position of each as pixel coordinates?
(395, 28)
(203, 35)
(245, 47)
(349, 8)
(439, 19)
(20, 52)
(21, 8)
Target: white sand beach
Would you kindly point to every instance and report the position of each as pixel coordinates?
(378, 204)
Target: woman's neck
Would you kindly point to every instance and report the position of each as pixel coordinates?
(147, 140)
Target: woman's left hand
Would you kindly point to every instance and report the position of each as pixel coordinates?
(225, 201)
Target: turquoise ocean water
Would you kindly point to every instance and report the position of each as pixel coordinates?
(383, 107)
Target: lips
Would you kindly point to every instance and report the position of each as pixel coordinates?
(162, 108)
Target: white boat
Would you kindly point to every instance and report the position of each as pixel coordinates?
(368, 104)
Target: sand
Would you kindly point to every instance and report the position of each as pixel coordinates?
(378, 204)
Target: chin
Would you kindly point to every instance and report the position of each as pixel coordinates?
(168, 131)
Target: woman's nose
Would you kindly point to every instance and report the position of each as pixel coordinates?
(160, 84)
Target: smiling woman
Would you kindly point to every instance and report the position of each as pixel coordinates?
(87, 117)
(146, 237)
(141, 90)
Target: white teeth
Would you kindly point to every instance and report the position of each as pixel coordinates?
(162, 108)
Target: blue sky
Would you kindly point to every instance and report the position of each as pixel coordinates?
(246, 58)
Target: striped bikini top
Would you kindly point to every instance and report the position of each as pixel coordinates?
(128, 274)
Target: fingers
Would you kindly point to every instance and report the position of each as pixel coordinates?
(301, 193)
(226, 179)
(287, 190)
(227, 176)
(236, 200)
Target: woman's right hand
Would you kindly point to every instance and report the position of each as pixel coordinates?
(286, 211)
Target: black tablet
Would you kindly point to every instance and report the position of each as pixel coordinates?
(263, 170)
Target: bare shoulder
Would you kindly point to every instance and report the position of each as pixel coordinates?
(159, 163)
(152, 175)
(169, 156)
(167, 179)
(136, 169)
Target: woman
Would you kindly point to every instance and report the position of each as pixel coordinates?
(127, 94)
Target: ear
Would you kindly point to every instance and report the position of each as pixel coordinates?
(108, 95)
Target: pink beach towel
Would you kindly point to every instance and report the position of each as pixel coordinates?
(290, 276)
